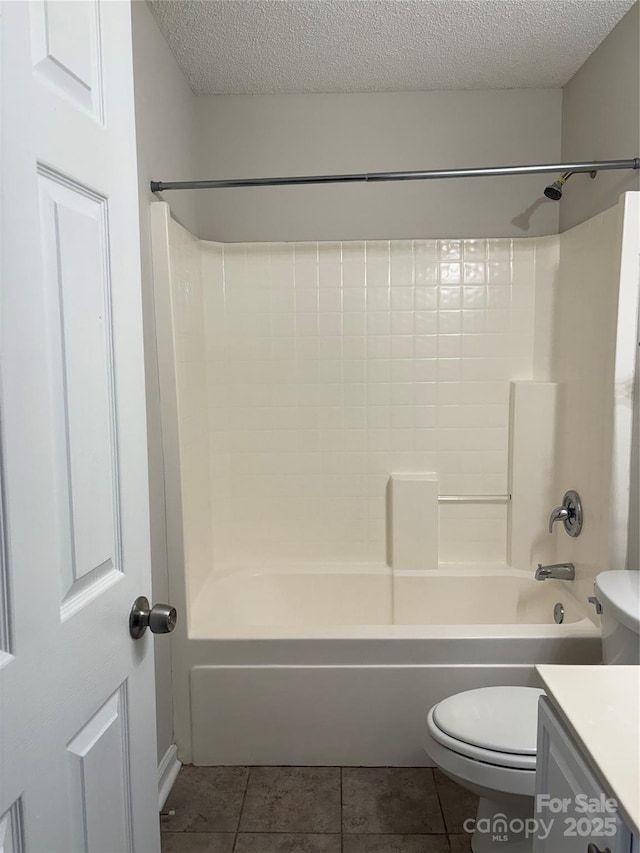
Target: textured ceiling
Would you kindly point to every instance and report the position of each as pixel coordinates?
(267, 46)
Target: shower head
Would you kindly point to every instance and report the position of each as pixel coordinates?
(554, 190)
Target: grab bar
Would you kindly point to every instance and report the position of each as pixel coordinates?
(474, 499)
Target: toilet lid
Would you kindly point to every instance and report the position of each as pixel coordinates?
(503, 719)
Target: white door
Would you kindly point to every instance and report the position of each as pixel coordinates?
(77, 725)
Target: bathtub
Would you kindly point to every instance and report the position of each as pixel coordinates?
(340, 666)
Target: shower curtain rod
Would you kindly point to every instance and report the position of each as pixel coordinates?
(491, 172)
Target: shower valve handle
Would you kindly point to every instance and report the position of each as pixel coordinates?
(569, 513)
(560, 513)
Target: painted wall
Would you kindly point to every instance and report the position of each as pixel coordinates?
(160, 91)
(601, 121)
(270, 135)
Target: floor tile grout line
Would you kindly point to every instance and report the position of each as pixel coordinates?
(341, 810)
(186, 832)
(244, 797)
(444, 820)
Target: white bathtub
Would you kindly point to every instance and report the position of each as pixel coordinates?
(372, 601)
(340, 666)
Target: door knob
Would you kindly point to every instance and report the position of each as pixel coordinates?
(160, 619)
(593, 849)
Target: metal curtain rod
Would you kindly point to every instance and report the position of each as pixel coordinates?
(491, 172)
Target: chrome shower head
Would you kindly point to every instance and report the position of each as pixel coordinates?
(554, 190)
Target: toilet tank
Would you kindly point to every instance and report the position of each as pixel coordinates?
(619, 595)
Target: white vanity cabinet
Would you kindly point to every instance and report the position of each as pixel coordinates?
(570, 800)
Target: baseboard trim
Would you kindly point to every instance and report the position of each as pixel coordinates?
(168, 770)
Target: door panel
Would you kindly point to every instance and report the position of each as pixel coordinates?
(100, 771)
(65, 43)
(11, 837)
(77, 287)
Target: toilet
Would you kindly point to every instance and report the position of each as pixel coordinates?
(485, 739)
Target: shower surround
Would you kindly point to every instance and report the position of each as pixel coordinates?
(325, 367)
(296, 379)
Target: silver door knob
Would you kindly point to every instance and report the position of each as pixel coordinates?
(160, 619)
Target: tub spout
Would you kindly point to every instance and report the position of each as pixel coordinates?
(558, 571)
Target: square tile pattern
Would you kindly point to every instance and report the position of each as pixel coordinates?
(308, 372)
(316, 810)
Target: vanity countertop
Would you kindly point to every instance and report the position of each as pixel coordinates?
(601, 705)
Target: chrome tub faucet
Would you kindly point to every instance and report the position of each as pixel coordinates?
(558, 571)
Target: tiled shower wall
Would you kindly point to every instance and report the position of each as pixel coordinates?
(330, 366)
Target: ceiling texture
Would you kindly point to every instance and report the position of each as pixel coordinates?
(302, 46)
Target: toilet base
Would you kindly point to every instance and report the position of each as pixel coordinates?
(501, 826)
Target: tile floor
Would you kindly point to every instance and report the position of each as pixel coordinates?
(316, 810)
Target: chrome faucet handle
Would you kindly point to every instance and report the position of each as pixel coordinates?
(569, 513)
(560, 513)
